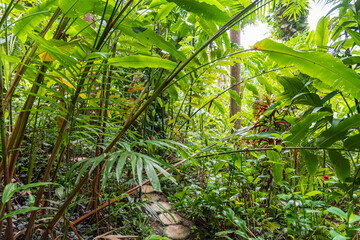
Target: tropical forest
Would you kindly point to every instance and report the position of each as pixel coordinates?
(153, 120)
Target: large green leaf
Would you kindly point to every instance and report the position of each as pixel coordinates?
(323, 66)
(322, 34)
(341, 164)
(210, 28)
(299, 130)
(311, 161)
(210, 9)
(352, 142)
(33, 18)
(77, 8)
(276, 165)
(141, 61)
(163, 11)
(338, 132)
(148, 36)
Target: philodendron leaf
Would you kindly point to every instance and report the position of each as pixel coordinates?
(311, 161)
(276, 165)
(338, 132)
(299, 130)
(341, 164)
(323, 66)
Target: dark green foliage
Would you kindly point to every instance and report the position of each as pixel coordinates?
(286, 26)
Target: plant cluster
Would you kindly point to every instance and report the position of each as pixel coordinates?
(100, 97)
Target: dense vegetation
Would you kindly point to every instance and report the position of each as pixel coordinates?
(97, 96)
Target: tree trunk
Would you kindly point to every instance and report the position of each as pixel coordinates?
(235, 74)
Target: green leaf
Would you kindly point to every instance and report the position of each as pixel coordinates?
(337, 212)
(210, 28)
(338, 132)
(296, 90)
(151, 173)
(311, 161)
(323, 66)
(234, 95)
(211, 9)
(220, 107)
(313, 193)
(355, 36)
(109, 165)
(150, 37)
(352, 142)
(60, 192)
(77, 8)
(322, 34)
(341, 164)
(141, 61)
(83, 29)
(219, 165)
(337, 236)
(351, 60)
(8, 192)
(21, 211)
(120, 165)
(163, 11)
(299, 130)
(11, 189)
(173, 92)
(32, 19)
(139, 169)
(276, 165)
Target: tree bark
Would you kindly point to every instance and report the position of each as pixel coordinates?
(235, 74)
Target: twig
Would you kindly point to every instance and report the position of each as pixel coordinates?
(100, 236)
(267, 149)
(73, 228)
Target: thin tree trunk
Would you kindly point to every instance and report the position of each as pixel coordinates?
(235, 74)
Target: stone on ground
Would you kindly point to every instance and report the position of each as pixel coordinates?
(168, 219)
(151, 196)
(147, 189)
(177, 231)
(156, 208)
